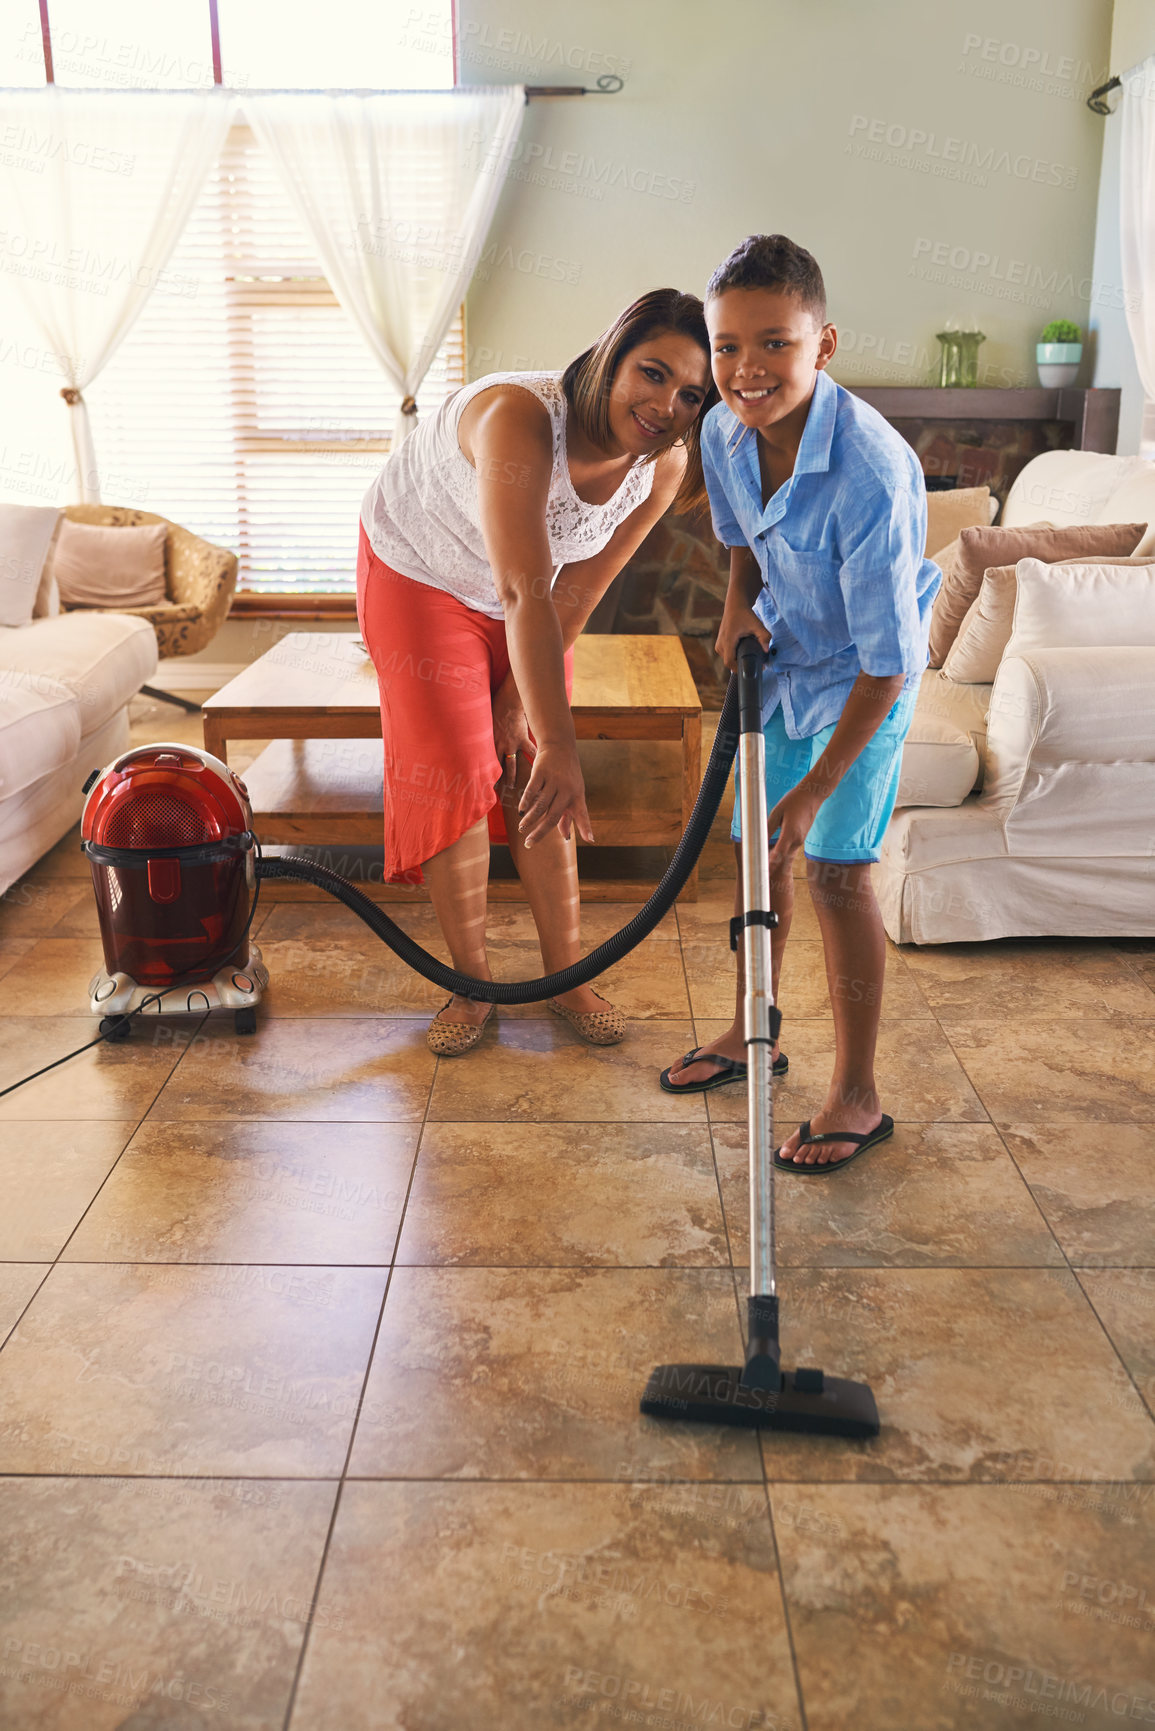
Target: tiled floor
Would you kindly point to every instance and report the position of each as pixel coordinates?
(318, 1402)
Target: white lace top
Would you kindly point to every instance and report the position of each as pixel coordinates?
(421, 513)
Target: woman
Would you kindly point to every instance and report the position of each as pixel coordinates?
(487, 540)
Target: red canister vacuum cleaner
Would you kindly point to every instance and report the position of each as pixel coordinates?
(168, 834)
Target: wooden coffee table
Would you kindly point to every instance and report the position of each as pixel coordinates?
(636, 712)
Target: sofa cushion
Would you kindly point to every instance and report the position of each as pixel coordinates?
(1061, 487)
(940, 762)
(39, 726)
(101, 566)
(964, 706)
(955, 509)
(985, 632)
(102, 658)
(1082, 606)
(26, 532)
(974, 656)
(1133, 498)
(980, 549)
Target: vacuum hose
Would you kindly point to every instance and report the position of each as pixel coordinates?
(581, 973)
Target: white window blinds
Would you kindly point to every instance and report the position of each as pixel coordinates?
(244, 404)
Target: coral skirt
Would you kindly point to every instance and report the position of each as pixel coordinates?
(438, 665)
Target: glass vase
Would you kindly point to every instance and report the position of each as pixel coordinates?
(959, 360)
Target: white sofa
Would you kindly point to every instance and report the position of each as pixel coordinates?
(1027, 807)
(65, 686)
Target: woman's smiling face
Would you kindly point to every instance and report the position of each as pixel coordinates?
(765, 348)
(658, 391)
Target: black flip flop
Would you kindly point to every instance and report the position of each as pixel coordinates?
(881, 1131)
(729, 1070)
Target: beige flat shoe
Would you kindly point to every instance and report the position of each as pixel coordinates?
(454, 1039)
(597, 1027)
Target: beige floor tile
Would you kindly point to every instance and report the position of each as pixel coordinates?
(1042, 981)
(11, 952)
(935, 1195)
(1142, 963)
(18, 1282)
(1097, 1215)
(1124, 1301)
(109, 1081)
(647, 985)
(541, 1072)
(568, 1604)
(973, 1371)
(1059, 1072)
(150, 719)
(52, 978)
(350, 974)
(303, 1069)
(802, 991)
(34, 906)
(537, 1374)
(80, 918)
(170, 1603)
(252, 1192)
(964, 1606)
(920, 1080)
(49, 1173)
(635, 1195)
(182, 1369)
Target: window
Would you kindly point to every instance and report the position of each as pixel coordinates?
(346, 44)
(131, 44)
(244, 403)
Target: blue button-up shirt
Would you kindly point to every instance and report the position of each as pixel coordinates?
(846, 587)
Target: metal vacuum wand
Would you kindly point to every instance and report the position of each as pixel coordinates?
(763, 1021)
(759, 1394)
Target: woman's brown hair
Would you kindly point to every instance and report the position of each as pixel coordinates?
(588, 379)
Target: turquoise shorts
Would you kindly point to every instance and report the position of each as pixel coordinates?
(852, 821)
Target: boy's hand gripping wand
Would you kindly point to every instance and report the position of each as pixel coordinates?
(759, 1394)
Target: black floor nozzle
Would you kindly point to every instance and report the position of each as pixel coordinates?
(805, 1400)
(759, 1395)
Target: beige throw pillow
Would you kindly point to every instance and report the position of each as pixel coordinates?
(1094, 604)
(980, 549)
(96, 566)
(947, 513)
(985, 632)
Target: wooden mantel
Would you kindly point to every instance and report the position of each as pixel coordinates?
(1094, 414)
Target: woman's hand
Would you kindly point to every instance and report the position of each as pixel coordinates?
(510, 733)
(554, 795)
(739, 622)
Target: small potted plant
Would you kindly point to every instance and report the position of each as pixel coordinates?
(1058, 353)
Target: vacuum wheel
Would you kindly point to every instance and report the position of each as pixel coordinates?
(245, 1021)
(115, 1027)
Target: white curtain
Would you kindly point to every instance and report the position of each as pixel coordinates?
(1137, 218)
(397, 191)
(95, 188)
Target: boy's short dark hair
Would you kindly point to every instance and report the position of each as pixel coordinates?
(772, 261)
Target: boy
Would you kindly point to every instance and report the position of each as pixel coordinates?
(823, 507)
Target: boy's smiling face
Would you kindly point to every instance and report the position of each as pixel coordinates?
(766, 348)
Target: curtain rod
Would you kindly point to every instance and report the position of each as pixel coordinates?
(607, 85)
